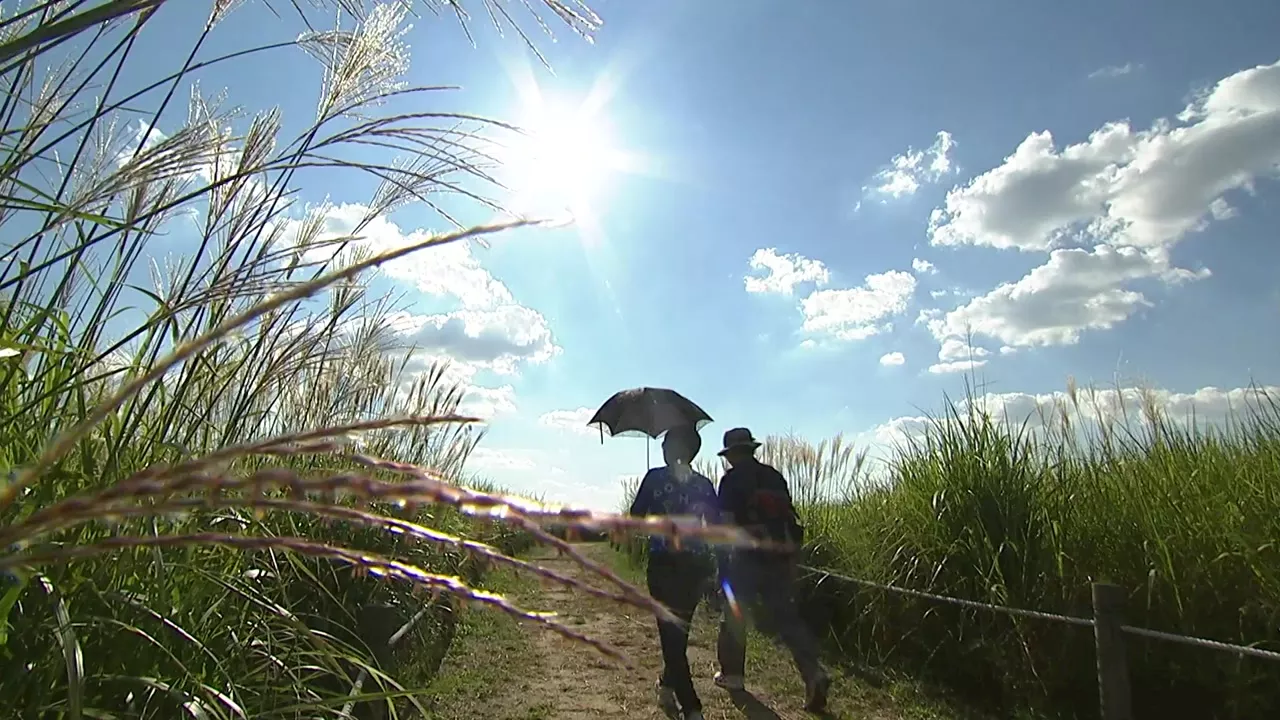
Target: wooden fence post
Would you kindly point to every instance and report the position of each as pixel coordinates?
(1113, 668)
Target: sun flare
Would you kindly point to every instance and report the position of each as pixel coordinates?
(562, 162)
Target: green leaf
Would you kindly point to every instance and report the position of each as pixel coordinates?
(8, 600)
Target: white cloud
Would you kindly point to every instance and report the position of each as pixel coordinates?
(956, 349)
(923, 266)
(489, 329)
(784, 272)
(1076, 290)
(955, 366)
(498, 339)
(1130, 196)
(893, 358)
(957, 356)
(449, 271)
(1112, 71)
(1032, 199)
(908, 171)
(858, 313)
(570, 420)
(1092, 408)
(489, 460)
(487, 403)
(1148, 188)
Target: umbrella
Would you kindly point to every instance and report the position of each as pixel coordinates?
(647, 411)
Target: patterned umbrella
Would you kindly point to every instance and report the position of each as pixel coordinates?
(647, 411)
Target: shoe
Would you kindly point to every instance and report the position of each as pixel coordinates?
(667, 701)
(815, 694)
(694, 715)
(729, 682)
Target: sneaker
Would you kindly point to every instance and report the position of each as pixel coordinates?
(729, 682)
(815, 694)
(667, 701)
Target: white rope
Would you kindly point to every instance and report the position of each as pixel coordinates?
(1036, 614)
(1203, 643)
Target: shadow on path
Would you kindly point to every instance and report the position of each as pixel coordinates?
(751, 707)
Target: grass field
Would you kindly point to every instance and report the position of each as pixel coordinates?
(234, 388)
(1185, 517)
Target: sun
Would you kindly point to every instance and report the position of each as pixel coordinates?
(561, 162)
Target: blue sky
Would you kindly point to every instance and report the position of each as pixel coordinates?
(1086, 190)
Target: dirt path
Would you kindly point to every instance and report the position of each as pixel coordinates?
(581, 685)
(546, 676)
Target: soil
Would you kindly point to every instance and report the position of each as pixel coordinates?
(552, 677)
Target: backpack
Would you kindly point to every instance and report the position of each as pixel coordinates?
(766, 506)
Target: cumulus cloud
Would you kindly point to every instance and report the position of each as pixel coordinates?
(574, 421)
(1076, 290)
(858, 313)
(956, 349)
(489, 330)
(907, 172)
(893, 358)
(923, 267)
(957, 356)
(1108, 210)
(1144, 188)
(448, 271)
(846, 313)
(487, 402)
(784, 272)
(955, 366)
(498, 339)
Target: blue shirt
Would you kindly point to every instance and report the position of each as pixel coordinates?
(661, 493)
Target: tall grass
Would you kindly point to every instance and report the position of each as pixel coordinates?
(1184, 516)
(1028, 512)
(225, 480)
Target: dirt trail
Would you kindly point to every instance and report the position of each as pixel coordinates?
(566, 680)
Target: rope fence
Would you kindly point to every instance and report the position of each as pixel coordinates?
(1109, 631)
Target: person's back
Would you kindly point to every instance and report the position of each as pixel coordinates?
(754, 496)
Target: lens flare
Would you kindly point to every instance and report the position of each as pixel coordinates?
(729, 597)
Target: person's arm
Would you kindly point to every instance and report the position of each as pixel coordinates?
(643, 501)
(785, 489)
(709, 505)
(796, 528)
(727, 498)
(725, 512)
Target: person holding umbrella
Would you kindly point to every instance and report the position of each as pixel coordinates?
(677, 572)
(754, 496)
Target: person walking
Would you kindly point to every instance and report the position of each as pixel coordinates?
(677, 574)
(754, 496)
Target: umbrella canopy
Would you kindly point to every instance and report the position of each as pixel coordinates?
(647, 411)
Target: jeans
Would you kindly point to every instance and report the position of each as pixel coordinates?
(764, 587)
(676, 579)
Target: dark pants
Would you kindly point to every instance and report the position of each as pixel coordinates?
(764, 588)
(677, 580)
